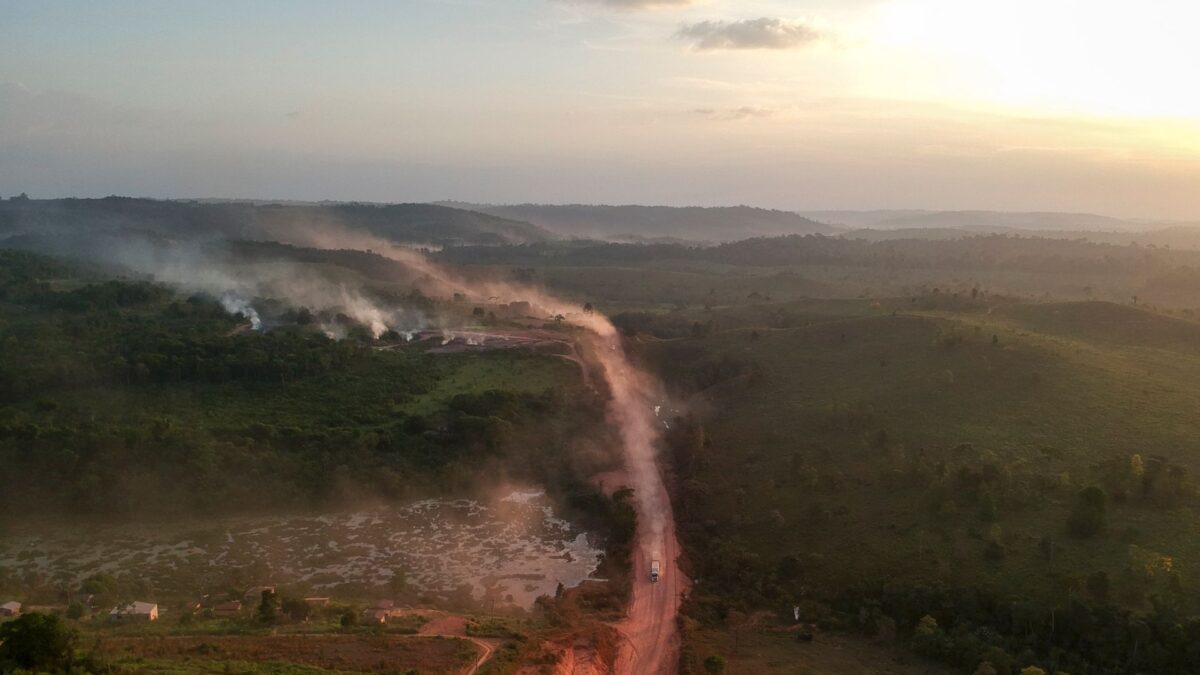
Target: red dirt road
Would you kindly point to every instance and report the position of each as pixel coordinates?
(651, 644)
(651, 634)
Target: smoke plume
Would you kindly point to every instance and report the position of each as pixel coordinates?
(634, 395)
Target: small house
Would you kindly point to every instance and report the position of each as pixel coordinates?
(134, 612)
(317, 602)
(376, 615)
(254, 595)
(10, 609)
(231, 608)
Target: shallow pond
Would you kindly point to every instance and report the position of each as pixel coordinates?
(509, 551)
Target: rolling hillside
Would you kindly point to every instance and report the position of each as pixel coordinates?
(930, 462)
(422, 224)
(642, 223)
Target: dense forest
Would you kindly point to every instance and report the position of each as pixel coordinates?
(651, 223)
(1010, 253)
(973, 480)
(120, 395)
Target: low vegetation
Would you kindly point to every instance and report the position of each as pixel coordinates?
(945, 477)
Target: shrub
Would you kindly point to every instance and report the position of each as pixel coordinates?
(36, 642)
(1088, 516)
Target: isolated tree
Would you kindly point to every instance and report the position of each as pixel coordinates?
(985, 668)
(587, 308)
(295, 609)
(1098, 585)
(1000, 660)
(987, 507)
(928, 638)
(714, 665)
(1046, 547)
(1137, 467)
(36, 641)
(1088, 517)
(268, 607)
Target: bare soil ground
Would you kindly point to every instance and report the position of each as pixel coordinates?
(347, 653)
(651, 639)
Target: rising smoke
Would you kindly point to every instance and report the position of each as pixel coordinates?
(238, 305)
(633, 394)
(208, 266)
(211, 266)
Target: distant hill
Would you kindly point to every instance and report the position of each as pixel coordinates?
(425, 224)
(991, 221)
(640, 223)
(1175, 236)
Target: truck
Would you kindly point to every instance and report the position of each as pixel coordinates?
(655, 567)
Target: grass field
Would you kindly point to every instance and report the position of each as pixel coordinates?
(779, 651)
(286, 654)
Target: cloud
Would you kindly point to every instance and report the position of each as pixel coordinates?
(734, 114)
(633, 5)
(764, 33)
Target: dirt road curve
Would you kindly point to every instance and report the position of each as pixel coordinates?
(451, 626)
(484, 655)
(651, 645)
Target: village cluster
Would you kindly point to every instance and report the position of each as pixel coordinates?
(379, 611)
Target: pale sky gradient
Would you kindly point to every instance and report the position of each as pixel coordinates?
(1063, 105)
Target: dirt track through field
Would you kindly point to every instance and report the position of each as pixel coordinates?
(450, 626)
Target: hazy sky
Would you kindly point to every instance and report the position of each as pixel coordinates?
(1025, 104)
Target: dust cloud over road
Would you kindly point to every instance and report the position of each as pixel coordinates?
(651, 640)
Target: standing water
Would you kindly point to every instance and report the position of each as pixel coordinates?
(508, 552)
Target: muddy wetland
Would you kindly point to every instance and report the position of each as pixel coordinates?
(506, 552)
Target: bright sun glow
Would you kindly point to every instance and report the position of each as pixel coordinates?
(1071, 56)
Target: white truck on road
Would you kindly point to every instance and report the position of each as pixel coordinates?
(655, 568)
